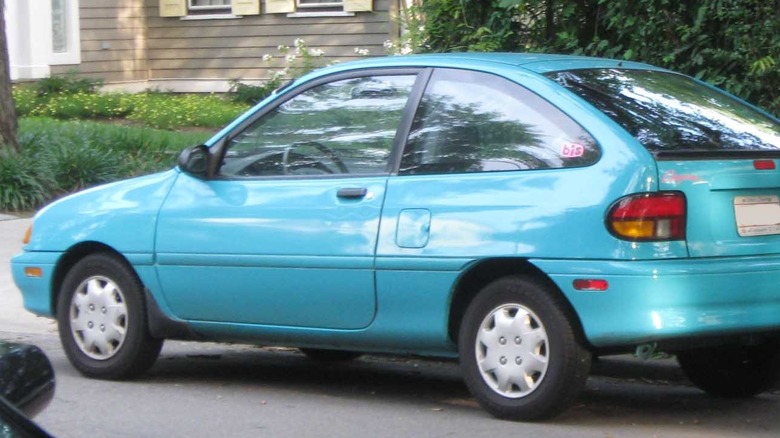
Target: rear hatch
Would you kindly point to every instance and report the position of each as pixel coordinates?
(720, 152)
(733, 204)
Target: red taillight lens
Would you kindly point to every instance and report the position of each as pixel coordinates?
(648, 217)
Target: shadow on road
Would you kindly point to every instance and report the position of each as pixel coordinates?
(622, 390)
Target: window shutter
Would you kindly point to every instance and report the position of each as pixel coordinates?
(279, 6)
(245, 7)
(358, 6)
(173, 8)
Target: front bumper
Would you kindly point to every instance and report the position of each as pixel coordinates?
(664, 300)
(36, 291)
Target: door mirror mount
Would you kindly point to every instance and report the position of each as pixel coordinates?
(195, 161)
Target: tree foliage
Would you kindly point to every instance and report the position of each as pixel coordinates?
(734, 44)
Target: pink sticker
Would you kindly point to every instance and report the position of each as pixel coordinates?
(572, 150)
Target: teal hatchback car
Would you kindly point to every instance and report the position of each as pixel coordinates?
(522, 212)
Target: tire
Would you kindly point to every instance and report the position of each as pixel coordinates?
(520, 354)
(330, 355)
(733, 371)
(101, 316)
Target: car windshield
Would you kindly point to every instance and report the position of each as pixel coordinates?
(671, 112)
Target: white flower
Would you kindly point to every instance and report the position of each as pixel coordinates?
(299, 42)
(362, 52)
(267, 57)
(289, 58)
(388, 44)
(277, 74)
(316, 52)
(282, 48)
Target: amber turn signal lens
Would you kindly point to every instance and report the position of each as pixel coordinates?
(31, 271)
(27, 235)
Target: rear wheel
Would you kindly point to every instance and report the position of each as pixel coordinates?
(733, 371)
(101, 315)
(519, 351)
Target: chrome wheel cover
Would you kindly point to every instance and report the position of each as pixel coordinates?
(512, 350)
(98, 317)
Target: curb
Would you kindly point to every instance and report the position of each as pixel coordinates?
(7, 217)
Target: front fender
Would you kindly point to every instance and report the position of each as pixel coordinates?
(121, 215)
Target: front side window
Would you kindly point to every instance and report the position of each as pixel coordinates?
(476, 122)
(671, 112)
(342, 127)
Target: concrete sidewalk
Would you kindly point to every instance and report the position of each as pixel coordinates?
(13, 317)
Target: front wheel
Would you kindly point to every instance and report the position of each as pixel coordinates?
(519, 351)
(101, 316)
(733, 371)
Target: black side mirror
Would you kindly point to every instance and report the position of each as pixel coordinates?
(195, 161)
(26, 377)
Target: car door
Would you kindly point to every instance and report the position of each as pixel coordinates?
(285, 234)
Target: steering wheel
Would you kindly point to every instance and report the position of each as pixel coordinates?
(292, 161)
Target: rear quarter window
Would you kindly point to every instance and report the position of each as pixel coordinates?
(477, 122)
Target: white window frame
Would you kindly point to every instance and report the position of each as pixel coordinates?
(72, 53)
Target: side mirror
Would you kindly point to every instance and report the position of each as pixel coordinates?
(26, 377)
(195, 161)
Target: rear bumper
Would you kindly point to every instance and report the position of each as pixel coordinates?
(664, 300)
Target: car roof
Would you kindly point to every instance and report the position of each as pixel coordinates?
(533, 62)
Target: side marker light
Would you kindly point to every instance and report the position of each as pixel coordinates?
(34, 272)
(591, 284)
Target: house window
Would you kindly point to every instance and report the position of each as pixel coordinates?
(208, 5)
(66, 46)
(308, 4)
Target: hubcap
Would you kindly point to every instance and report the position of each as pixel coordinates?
(512, 350)
(98, 317)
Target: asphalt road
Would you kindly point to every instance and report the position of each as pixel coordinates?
(204, 390)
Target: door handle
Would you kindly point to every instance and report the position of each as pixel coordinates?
(352, 192)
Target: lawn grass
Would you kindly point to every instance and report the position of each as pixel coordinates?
(73, 137)
(60, 157)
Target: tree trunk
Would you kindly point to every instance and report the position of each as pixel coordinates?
(8, 126)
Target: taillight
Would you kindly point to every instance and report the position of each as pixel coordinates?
(648, 217)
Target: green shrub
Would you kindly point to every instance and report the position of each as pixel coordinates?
(87, 106)
(26, 101)
(153, 109)
(167, 111)
(77, 166)
(69, 83)
(252, 94)
(60, 157)
(734, 44)
(24, 185)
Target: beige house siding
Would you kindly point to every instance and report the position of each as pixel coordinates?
(233, 48)
(113, 41)
(128, 41)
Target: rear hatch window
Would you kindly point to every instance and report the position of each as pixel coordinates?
(720, 152)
